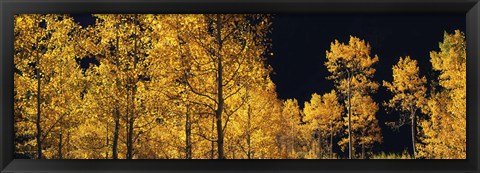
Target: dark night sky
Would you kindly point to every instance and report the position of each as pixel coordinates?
(300, 42)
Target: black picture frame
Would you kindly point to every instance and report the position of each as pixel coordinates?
(471, 8)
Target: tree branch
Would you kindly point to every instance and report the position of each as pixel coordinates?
(204, 137)
(198, 93)
(231, 113)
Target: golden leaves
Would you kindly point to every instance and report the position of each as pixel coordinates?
(324, 112)
(48, 50)
(408, 87)
(352, 70)
(159, 76)
(444, 131)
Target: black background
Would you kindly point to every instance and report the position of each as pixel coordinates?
(300, 43)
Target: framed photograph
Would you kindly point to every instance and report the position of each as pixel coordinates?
(239, 86)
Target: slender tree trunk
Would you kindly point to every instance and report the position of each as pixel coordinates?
(188, 124)
(212, 151)
(130, 120)
(319, 144)
(292, 137)
(130, 129)
(133, 84)
(127, 123)
(117, 106)
(331, 141)
(106, 152)
(349, 119)
(115, 134)
(413, 133)
(39, 101)
(363, 151)
(249, 147)
(60, 138)
(249, 150)
(219, 111)
(188, 131)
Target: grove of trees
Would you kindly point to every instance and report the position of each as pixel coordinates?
(198, 86)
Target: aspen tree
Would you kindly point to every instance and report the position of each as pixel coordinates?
(352, 71)
(409, 95)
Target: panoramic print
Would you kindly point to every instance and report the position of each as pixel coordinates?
(239, 86)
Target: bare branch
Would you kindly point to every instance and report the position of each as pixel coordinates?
(51, 127)
(204, 137)
(198, 93)
(235, 92)
(231, 113)
(203, 104)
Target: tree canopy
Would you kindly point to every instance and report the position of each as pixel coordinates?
(198, 86)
